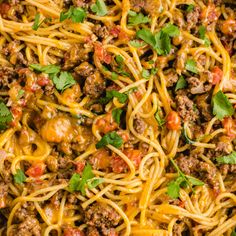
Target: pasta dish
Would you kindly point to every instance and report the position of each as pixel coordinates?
(117, 117)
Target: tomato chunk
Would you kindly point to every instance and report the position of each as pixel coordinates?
(229, 26)
(217, 75)
(106, 123)
(173, 121)
(118, 165)
(36, 170)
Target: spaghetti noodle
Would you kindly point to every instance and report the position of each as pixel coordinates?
(117, 117)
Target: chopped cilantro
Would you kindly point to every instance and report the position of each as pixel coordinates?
(137, 18)
(99, 8)
(111, 138)
(222, 106)
(75, 14)
(191, 66)
(181, 83)
(228, 159)
(116, 113)
(19, 177)
(5, 115)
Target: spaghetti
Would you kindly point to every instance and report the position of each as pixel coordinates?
(117, 117)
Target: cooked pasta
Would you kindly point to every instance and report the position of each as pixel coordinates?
(117, 117)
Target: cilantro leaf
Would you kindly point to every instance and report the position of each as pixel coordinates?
(110, 138)
(145, 74)
(190, 8)
(5, 115)
(49, 69)
(136, 19)
(74, 182)
(36, 24)
(99, 8)
(64, 81)
(136, 43)
(160, 41)
(116, 113)
(228, 159)
(114, 75)
(122, 98)
(171, 30)
(93, 183)
(173, 187)
(78, 183)
(119, 59)
(233, 233)
(182, 180)
(191, 66)
(221, 105)
(19, 177)
(20, 93)
(134, 89)
(75, 14)
(181, 83)
(147, 36)
(202, 34)
(159, 120)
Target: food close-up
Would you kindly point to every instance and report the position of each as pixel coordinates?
(117, 118)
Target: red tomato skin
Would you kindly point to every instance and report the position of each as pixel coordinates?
(217, 75)
(36, 170)
(173, 121)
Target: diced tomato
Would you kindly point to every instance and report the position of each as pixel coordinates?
(17, 113)
(115, 31)
(79, 166)
(210, 13)
(124, 135)
(4, 8)
(42, 80)
(173, 121)
(36, 170)
(100, 159)
(73, 232)
(230, 126)
(118, 165)
(134, 155)
(123, 36)
(106, 124)
(228, 26)
(217, 75)
(138, 95)
(101, 53)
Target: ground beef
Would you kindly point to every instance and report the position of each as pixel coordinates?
(7, 75)
(84, 69)
(193, 17)
(172, 78)
(204, 107)
(83, 3)
(74, 56)
(92, 231)
(101, 216)
(186, 109)
(69, 231)
(137, 5)
(94, 85)
(26, 210)
(64, 162)
(139, 125)
(52, 163)
(3, 194)
(228, 169)
(100, 31)
(197, 86)
(29, 227)
(199, 169)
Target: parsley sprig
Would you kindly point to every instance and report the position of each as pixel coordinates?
(111, 138)
(137, 18)
(228, 159)
(173, 188)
